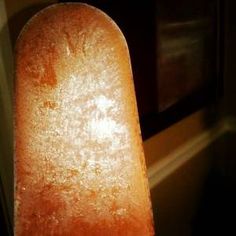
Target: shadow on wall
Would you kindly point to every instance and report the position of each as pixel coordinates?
(216, 211)
(198, 198)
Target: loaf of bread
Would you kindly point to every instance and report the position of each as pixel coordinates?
(79, 162)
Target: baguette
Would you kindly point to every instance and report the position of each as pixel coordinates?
(79, 162)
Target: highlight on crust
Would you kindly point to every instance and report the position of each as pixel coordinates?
(79, 162)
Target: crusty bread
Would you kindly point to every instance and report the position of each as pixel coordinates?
(79, 163)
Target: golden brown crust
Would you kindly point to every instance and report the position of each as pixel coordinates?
(79, 162)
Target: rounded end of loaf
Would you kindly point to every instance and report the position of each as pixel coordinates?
(79, 158)
(66, 31)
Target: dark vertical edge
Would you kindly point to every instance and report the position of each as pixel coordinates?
(157, 35)
(5, 222)
(220, 48)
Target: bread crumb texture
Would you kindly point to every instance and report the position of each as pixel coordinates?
(79, 162)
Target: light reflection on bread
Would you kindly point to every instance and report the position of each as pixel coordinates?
(79, 161)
